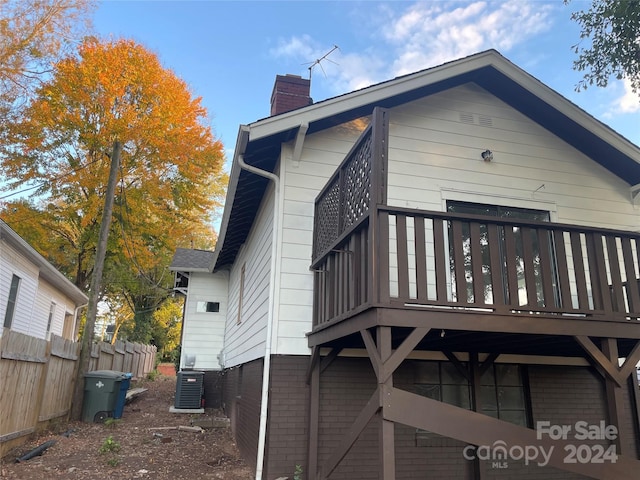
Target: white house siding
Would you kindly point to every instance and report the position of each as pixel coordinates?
(47, 294)
(301, 181)
(245, 341)
(203, 332)
(13, 263)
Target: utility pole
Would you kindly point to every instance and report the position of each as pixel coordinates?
(96, 280)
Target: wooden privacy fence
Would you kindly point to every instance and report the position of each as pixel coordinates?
(37, 378)
(135, 358)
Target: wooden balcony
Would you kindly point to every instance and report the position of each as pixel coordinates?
(462, 273)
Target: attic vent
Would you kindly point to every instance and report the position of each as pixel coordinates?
(466, 117)
(485, 121)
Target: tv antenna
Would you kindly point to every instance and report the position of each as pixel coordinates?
(318, 61)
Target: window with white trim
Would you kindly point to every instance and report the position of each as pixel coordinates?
(11, 302)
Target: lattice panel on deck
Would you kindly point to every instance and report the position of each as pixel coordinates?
(357, 184)
(327, 217)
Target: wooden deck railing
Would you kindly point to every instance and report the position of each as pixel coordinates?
(426, 258)
(343, 226)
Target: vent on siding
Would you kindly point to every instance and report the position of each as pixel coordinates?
(470, 118)
(466, 117)
(485, 121)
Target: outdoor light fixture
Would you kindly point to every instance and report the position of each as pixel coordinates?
(487, 155)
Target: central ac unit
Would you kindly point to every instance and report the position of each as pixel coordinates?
(189, 389)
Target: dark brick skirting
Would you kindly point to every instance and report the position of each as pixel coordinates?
(241, 398)
(212, 389)
(560, 394)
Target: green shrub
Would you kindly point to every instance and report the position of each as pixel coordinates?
(109, 445)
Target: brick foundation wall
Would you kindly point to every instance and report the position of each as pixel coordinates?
(213, 388)
(242, 388)
(559, 394)
(230, 389)
(288, 432)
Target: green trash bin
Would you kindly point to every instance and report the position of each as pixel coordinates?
(101, 391)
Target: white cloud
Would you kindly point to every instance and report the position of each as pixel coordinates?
(297, 47)
(430, 34)
(405, 39)
(630, 101)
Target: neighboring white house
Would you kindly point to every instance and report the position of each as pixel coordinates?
(35, 298)
(205, 308)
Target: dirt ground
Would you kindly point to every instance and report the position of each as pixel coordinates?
(130, 448)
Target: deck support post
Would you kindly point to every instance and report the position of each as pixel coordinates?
(387, 427)
(614, 394)
(635, 408)
(476, 404)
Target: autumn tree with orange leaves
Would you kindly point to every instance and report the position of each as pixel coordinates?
(170, 180)
(33, 35)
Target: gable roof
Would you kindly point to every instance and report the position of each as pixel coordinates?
(46, 271)
(191, 260)
(260, 142)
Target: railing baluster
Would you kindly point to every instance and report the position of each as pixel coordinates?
(529, 266)
(476, 264)
(351, 277)
(332, 286)
(578, 265)
(458, 262)
(403, 257)
(633, 294)
(421, 259)
(365, 278)
(565, 299)
(495, 260)
(441, 256)
(598, 272)
(546, 268)
(617, 296)
(382, 275)
(340, 291)
(512, 271)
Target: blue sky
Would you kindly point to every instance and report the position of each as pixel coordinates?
(229, 52)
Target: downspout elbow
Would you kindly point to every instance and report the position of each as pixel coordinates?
(258, 171)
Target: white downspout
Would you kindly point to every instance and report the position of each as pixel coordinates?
(262, 433)
(75, 320)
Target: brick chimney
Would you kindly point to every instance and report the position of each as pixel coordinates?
(290, 92)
